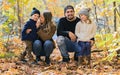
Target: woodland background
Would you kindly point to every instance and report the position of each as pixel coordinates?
(105, 52)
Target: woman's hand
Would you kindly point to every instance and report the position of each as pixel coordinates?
(38, 23)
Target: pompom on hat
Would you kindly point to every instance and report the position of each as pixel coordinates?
(35, 11)
(85, 11)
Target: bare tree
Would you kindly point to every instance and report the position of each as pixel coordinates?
(114, 5)
(95, 10)
(18, 16)
(45, 3)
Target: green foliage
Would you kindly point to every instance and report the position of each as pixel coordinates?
(111, 1)
(7, 55)
(108, 42)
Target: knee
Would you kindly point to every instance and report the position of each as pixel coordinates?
(37, 43)
(48, 43)
(60, 40)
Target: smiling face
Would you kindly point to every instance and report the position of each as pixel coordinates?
(83, 17)
(42, 19)
(35, 17)
(69, 14)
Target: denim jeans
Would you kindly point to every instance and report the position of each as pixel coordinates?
(85, 48)
(43, 49)
(65, 45)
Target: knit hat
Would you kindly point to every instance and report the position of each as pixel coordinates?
(85, 11)
(68, 7)
(35, 11)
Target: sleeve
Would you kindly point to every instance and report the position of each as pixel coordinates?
(77, 29)
(61, 29)
(26, 26)
(93, 32)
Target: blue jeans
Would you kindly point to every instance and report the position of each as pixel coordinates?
(85, 48)
(65, 45)
(43, 49)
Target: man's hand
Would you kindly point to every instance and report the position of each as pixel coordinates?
(72, 36)
(28, 31)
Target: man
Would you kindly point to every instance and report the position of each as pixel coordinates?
(66, 40)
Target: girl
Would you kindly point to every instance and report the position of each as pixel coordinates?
(85, 30)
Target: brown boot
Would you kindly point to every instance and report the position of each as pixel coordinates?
(30, 57)
(22, 56)
(88, 63)
(88, 59)
(80, 60)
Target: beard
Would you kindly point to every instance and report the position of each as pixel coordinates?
(70, 17)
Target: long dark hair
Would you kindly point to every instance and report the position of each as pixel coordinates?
(48, 16)
(46, 26)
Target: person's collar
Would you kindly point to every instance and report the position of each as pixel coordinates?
(33, 20)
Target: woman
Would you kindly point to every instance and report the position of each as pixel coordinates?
(45, 45)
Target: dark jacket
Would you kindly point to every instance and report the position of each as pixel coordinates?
(64, 26)
(32, 36)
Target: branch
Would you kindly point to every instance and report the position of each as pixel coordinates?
(117, 11)
(96, 51)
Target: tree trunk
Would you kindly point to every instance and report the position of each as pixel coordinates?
(114, 5)
(19, 18)
(95, 11)
(45, 3)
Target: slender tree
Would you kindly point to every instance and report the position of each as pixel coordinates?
(114, 5)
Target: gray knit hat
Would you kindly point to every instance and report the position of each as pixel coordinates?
(85, 11)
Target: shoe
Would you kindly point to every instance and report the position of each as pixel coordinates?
(66, 59)
(80, 60)
(75, 57)
(47, 60)
(23, 60)
(38, 59)
(35, 62)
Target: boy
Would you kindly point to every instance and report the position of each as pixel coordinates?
(29, 34)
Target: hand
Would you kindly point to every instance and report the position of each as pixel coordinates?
(72, 36)
(92, 42)
(38, 23)
(28, 31)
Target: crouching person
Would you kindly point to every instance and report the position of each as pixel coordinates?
(85, 31)
(44, 46)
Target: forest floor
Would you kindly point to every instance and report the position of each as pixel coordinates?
(11, 66)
